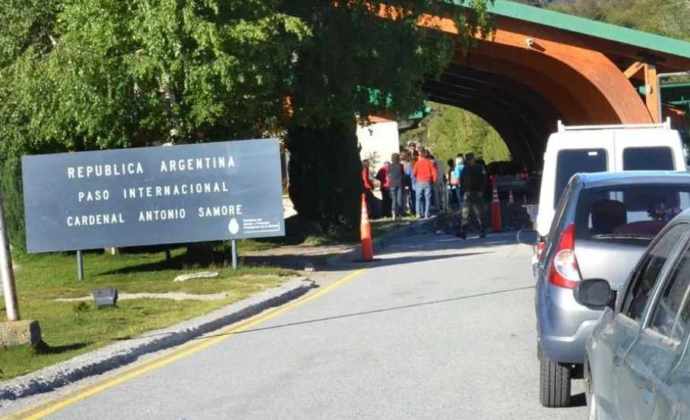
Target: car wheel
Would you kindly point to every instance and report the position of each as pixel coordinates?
(554, 383)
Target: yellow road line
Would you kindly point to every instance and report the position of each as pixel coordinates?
(187, 350)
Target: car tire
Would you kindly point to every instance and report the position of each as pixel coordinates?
(554, 384)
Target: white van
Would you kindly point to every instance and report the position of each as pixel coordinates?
(605, 148)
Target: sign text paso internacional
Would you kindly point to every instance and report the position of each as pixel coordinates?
(153, 195)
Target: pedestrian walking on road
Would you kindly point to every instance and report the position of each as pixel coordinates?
(425, 176)
(396, 174)
(473, 179)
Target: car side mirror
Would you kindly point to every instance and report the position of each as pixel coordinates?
(595, 294)
(528, 237)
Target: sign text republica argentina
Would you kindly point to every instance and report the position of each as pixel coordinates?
(147, 196)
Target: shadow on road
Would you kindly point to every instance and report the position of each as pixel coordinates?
(416, 242)
(378, 311)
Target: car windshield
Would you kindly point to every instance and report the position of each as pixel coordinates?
(630, 212)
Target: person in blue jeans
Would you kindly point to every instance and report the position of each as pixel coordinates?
(426, 175)
(457, 172)
(395, 185)
(423, 205)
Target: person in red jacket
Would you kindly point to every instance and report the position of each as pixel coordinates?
(368, 187)
(425, 174)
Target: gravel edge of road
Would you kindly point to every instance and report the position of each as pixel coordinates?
(122, 353)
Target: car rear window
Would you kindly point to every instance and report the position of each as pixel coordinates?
(648, 158)
(571, 162)
(630, 212)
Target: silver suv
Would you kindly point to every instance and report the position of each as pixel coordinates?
(603, 224)
(638, 366)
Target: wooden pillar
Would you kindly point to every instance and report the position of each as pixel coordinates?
(653, 92)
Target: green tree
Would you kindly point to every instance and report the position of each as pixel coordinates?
(448, 131)
(668, 17)
(353, 51)
(94, 74)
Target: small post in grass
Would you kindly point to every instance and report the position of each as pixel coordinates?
(6, 272)
(13, 332)
(80, 266)
(234, 254)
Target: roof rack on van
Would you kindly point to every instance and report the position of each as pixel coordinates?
(562, 127)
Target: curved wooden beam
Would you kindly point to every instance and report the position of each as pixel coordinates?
(607, 90)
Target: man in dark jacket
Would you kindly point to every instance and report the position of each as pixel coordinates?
(473, 180)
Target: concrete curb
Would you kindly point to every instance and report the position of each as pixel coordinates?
(122, 353)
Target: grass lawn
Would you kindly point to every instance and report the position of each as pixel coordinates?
(73, 328)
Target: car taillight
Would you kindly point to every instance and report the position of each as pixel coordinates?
(564, 271)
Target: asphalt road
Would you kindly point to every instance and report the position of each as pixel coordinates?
(437, 329)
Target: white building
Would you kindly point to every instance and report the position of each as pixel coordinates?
(378, 141)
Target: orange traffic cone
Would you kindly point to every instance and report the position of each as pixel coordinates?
(365, 233)
(496, 223)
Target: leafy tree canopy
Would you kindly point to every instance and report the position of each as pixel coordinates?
(94, 74)
(85, 74)
(666, 17)
(448, 131)
(353, 49)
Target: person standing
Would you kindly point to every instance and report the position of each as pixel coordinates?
(413, 183)
(453, 183)
(406, 181)
(425, 176)
(473, 179)
(368, 187)
(490, 178)
(457, 173)
(396, 173)
(439, 186)
(382, 177)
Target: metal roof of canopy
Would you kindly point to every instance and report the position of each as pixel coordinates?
(587, 27)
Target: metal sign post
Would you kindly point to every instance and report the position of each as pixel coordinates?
(6, 272)
(234, 254)
(80, 266)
